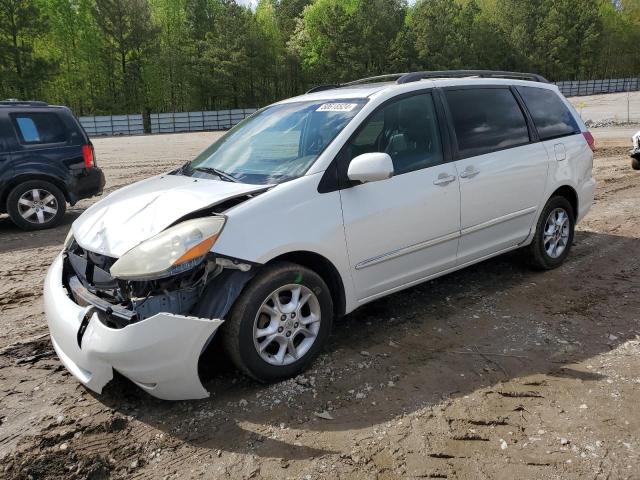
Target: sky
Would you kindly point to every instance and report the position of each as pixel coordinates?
(251, 3)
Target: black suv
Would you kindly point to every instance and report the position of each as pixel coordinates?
(46, 161)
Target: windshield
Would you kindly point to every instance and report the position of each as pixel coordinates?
(276, 144)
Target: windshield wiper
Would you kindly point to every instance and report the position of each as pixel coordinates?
(219, 173)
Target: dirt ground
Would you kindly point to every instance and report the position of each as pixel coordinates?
(492, 372)
(621, 107)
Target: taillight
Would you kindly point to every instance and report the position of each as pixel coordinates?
(590, 140)
(89, 156)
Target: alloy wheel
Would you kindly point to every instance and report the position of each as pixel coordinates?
(37, 206)
(287, 324)
(556, 232)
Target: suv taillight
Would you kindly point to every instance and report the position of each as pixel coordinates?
(89, 156)
(590, 140)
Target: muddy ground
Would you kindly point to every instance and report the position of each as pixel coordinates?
(492, 372)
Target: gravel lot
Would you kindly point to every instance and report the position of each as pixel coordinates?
(618, 107)
(492, 372)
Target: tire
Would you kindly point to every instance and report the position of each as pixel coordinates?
(238, 332)
(44, 214)
(541, 255)
(635, 163)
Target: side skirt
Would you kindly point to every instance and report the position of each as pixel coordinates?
(436, 275)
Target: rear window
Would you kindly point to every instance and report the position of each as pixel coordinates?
(550, 115)
(41, 127)
(486, 120)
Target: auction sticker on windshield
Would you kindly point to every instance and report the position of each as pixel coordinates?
(337, 107)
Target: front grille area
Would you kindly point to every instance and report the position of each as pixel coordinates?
(119, 303)
(92, 269)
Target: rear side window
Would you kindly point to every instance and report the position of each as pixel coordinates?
(550, 115)
(486, 120)
(36, 128)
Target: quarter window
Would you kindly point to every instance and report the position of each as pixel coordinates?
(35, 128)
(550, 115)
(486, 120)
(407, 130)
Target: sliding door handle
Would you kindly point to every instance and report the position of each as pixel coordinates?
(469, 172)
(444, 179)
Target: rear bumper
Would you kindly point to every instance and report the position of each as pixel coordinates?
(159, 354)
(87, 184)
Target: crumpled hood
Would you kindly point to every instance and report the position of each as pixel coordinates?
(139, 211)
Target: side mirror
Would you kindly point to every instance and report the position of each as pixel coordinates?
(370, 167)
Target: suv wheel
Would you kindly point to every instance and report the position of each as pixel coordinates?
(554, 235)
(36, 205)
(635, 163)
(280, 322)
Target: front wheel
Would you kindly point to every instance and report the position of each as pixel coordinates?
(280, 322)
(554, 235)
(635, 163)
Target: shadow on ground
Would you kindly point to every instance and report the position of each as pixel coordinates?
(13, 239)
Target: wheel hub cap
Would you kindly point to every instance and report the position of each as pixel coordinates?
(37, 206)
(556, 232)
(287, 324)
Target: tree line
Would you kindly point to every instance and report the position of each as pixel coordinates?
(132, 56)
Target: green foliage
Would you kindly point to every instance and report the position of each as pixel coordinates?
(22, 70)
(340, 40)
(118, 56)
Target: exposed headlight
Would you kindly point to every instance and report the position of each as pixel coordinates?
(172, 251)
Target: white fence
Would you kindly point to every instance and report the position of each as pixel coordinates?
(576, 88)
(198, 121)
(113, 125)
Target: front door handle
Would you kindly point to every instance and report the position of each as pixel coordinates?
(444, 179)
(469, 172)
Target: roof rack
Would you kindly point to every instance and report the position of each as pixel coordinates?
(401, 78)
(377, 78)
(415, 76)
(14, 102)
(319, 88)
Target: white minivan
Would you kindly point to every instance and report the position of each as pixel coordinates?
(308, 209)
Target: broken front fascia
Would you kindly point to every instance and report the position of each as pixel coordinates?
(159, 353)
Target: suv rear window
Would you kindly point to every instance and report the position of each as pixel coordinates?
(486, 120)
(34, 128)
(550, 115)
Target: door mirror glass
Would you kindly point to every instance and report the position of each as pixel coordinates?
(370, 167)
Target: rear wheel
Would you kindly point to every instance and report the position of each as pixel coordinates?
(280, 322)
(36, 205)
(635, 163)
(554, 235)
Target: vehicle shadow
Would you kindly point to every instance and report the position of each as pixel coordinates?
(489, 324)
(14, 239)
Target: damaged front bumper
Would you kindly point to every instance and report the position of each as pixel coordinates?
(160, 353)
